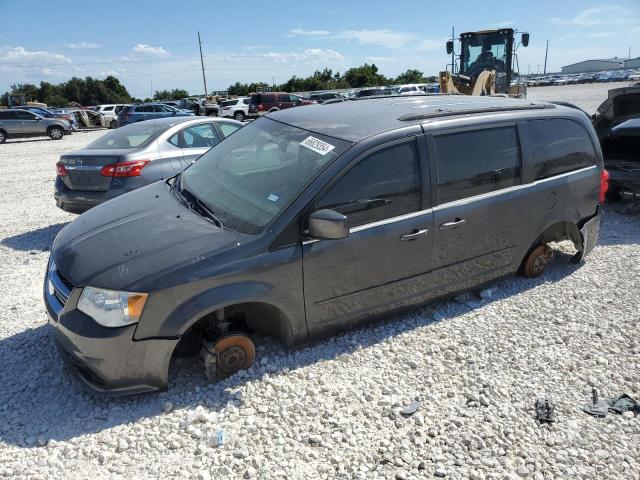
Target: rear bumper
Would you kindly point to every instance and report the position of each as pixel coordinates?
(106, 361)
(79, 201)
(589, 233)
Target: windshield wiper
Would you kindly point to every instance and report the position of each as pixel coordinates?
(208, 212)
(194, 201)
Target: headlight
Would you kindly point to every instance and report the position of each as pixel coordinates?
(111, 308)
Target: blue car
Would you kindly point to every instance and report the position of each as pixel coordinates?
(149, 111)
(43, 112)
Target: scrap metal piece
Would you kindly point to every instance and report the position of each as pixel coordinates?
(545, 410)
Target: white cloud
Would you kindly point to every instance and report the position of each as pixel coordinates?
(20, 55)
(308, 55)
(144, 49)
(503, 24)
(431, 44)
(83, 45)
(309, 33)
(379, 59)
(606, 14)
(385, 37)
(601, 34)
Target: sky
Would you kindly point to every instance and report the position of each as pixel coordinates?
(154, 44)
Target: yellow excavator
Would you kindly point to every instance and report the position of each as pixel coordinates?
(485, 64)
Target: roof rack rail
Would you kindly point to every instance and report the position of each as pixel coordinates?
(374, 97)
(408, 117)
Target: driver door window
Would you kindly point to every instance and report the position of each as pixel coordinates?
(384, 185)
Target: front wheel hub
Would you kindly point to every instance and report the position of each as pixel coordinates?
(227, 355)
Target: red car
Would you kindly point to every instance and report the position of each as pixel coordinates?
(261, 103)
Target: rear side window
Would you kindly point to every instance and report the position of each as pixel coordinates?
(108, 109)
(8, 115)
(473, 163)
(245, 101)
(383, 185)
(200, 136)
(144, 109)
(558, 146)
(228, 128)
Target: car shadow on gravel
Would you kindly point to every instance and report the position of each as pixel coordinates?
(41, 402)
(40, 239)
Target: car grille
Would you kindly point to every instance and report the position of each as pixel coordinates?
(61, 286)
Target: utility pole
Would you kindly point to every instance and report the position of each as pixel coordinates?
(151, 97)
(528, 69)
(538, 69)
(204, 79)
(546, 53)
(629, 52)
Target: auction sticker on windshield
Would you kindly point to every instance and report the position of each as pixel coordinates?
(317, 145)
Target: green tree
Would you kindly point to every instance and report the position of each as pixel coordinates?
(410, 76)
(365, 76)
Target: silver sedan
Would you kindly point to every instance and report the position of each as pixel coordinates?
(133, 156)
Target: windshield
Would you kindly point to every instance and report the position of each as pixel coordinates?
(131, 136)
(249, 179)
(484, 51)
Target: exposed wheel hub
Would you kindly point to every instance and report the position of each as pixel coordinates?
(227, 355)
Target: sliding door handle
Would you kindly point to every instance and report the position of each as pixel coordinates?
(455, 223)
(414, 234)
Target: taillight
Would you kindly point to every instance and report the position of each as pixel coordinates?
(124, 169)
(62, 171)
(604, 185)
(260, 107)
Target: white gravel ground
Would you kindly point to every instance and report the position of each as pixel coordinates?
(587, 96)
(331, 410)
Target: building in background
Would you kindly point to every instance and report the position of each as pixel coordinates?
(632, 63)
(587, 66)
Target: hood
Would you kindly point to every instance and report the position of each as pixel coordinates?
(135, 239)
(621, 104)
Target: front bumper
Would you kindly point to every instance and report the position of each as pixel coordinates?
(106, 361)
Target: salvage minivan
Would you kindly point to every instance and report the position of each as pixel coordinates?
(312, 220)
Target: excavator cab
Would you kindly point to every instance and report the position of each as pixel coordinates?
(486, 63)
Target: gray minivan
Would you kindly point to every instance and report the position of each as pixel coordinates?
(17, 123)
(299, 225)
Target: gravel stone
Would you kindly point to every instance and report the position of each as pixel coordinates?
(303, 413)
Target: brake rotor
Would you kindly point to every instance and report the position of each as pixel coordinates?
(235, 352)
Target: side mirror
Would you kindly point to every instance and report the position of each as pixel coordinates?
(525, 39)
(449, 47)
(328, 225)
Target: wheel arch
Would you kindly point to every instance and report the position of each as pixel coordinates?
(552, 232)
(262, 312)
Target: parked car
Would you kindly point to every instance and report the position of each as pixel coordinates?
(148, 111)
(617, 124)
(376, 92)
(261, 103)
(46, 113)
(237, 108)
(19, 123)
(324, 96)
(110, 112)
(312, 220)
(133, 156)
(411, 89)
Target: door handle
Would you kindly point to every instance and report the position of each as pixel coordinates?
(414, 234)
(455, 223)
